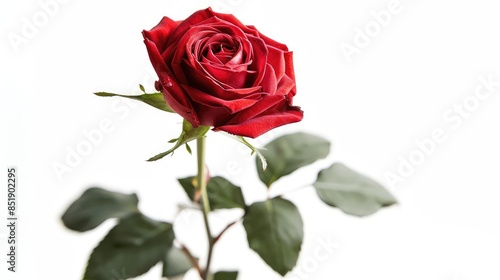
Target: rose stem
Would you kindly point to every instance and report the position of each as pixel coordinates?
(202, 184)
(193, 260)
(224, 230)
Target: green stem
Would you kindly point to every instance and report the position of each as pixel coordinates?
(202, 184)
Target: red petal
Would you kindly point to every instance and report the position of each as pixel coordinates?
(286, 86)
(206, 83)
(259, 59)
(269, 83)
(271, 42)
(203, 17)
(277, 61)
(232, 106)
(260, 125)
(289, 71)
(266, 103)
(160, 34)
(173, 93)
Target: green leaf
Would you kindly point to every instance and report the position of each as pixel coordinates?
(175, 263)
(141, 87)
(95, 206)
(353, 193)
(226, 275)
(222, 194)
(130, 249)
(188, 149)
(290, 152)
(154, 99)
(188, 186)
(189, 133)
(275, 231)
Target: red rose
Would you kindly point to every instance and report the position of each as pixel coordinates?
(215, 71)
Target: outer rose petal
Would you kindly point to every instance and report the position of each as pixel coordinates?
(269, 83)
(289, 67)
(270, 112)
(265, 104)
(285, 86)
(262, 124)
(160, 33)
(273, 43)
(174, 96)
(277, 61)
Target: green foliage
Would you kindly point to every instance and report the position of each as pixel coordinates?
(275, 231)
(288, 153)
(226, 275)
(352, 192)
(274, 227)
(222, 194)
(97, 205)
(189, 133)
(130, 249)
(175, 263)
(153, 99)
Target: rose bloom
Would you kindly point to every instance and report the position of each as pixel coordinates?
(215, 71)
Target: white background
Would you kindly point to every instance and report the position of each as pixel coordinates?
(373, 105)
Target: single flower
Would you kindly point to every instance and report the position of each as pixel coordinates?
(215, 71)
